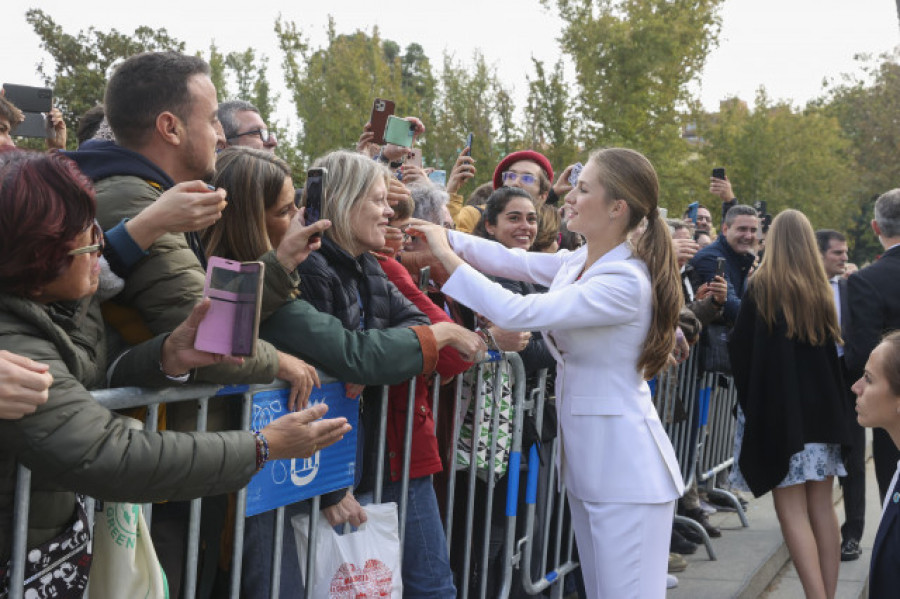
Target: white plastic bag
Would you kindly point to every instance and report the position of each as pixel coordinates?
(359, 565)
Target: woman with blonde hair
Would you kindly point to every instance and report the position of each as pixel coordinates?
(792, 416)
(609, 319)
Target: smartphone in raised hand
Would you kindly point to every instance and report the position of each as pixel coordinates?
(231, 326)
(381, 110)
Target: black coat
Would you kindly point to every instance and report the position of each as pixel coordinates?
(359, 294)
(355, 290)
(790, 393)
(884, 569)
(873, 296)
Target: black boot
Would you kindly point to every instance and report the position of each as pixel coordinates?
(699, 516)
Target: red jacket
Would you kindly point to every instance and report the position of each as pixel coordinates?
(425, 458)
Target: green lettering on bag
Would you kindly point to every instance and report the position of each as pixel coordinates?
(122, 519)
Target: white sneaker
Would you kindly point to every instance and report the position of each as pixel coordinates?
(671, 581)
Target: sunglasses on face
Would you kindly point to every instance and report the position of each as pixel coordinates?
(97, 242)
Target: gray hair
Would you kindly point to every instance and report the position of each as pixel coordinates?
(430, 201)
(228, 109)
(887, 213)
(739, 210)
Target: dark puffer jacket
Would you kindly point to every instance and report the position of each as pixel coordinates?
(359, 294)
(73, 444)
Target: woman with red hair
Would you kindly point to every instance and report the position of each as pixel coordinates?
(51, 245)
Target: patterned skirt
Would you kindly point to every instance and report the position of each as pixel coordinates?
(815, 462)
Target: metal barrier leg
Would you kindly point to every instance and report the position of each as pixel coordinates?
(451, 474)
(193, 543)
(20, 533)
(311, 550)
(237, 552)
(470, 495)
(407, 456)
(733, 501)
(277, 545)
(382, 441)
(150, 425)
(696, 527)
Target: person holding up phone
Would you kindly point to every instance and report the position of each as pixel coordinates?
(72, 444)
(336, 342)
(736, 245)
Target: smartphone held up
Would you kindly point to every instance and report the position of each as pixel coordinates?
(231, 326)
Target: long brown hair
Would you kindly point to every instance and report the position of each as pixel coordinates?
(791, 281)
(253, 180)
(628, 175)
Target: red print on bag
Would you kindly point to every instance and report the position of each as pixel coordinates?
(374, 580)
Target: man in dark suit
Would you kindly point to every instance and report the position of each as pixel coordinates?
(873, 296)
(833, 247)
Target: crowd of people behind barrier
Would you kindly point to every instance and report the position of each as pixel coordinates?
(399, 277)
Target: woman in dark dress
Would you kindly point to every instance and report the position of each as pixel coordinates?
(791, 416)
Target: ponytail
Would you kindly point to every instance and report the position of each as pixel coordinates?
(655, 249)
(629, 176)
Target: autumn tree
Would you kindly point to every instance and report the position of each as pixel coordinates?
(634, 61)
(338, 81)
(550, 119)
(82, 62)
(473, 100)
(867, 107)
(786, 157)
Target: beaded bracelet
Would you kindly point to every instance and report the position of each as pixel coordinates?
(262, 450)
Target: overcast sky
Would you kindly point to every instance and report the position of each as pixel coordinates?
(789, 46)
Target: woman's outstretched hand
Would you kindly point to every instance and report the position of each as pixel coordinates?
(301, 434)
(436, 236)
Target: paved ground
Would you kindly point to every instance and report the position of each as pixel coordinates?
(754, 562)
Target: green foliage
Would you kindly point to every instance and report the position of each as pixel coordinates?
(550, 118)
(788, 158)
(867, 109)
(634, 60)
(340, 81)
(472, 101)
(83, 62)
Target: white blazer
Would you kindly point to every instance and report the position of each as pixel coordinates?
(614, 448)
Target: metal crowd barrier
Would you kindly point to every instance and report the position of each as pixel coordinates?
(695, 411)
(718, 397)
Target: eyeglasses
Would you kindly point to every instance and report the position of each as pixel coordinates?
(511, 177)
(97, 242)
(264, 134)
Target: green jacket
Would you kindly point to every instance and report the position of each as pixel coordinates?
(374, 357)
(166, 285)
(71, 443)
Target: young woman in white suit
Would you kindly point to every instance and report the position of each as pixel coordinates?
(609, 319)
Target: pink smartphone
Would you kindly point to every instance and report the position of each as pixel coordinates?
(231, 327)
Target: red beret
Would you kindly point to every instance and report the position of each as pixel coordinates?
(540, 159)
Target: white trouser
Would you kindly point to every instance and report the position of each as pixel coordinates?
(623, 547)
